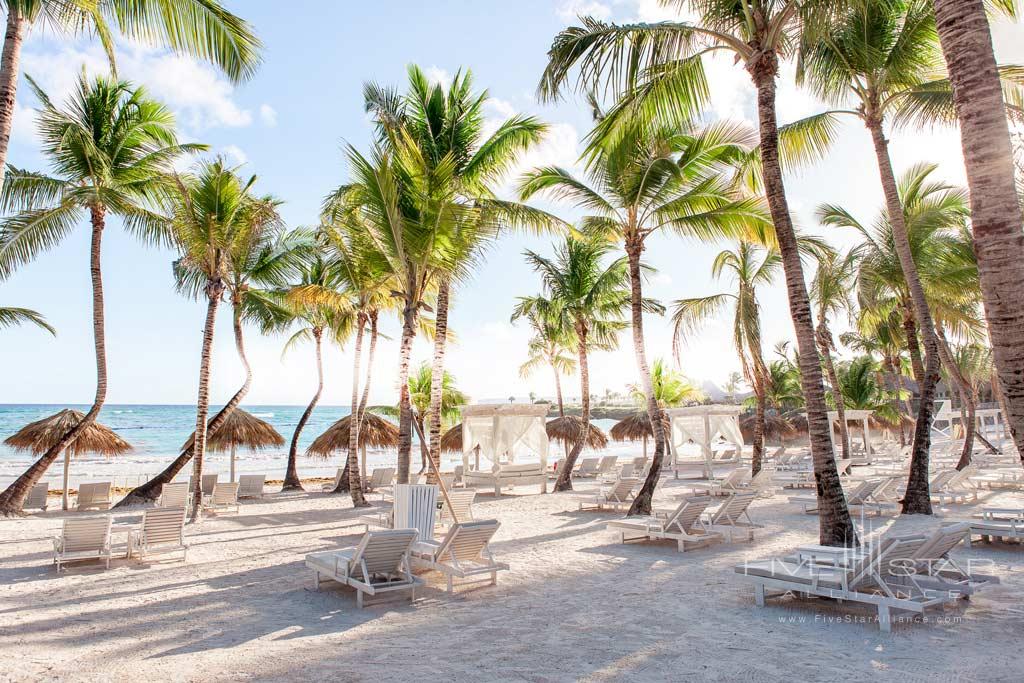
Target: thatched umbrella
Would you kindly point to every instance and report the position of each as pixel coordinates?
(374, 431)
(241, 428)
(569, 428)
(776, 427)
(636, 427)
(41, 435)
(451, 441)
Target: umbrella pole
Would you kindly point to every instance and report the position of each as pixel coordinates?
(67, 478)
(232, 462)
(363, 448)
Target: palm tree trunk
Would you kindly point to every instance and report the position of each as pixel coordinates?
(9, 70)
(995, 212)
(913, 348)
(291, 476)
(342, 486)
(437, 377)
(355, 484)
(917, 499)
(558, 391)
(214, 291)
(757, 457)
(824, 339)
(409, 315)
(13, 498)
(150, 491)
(642, 503)
(835, 527)
(890, 371)
(564, 481)
(966, 392)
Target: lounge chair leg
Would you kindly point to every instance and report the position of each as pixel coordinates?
(451, 584)
(359, 599)
(759, 595)
(316, 580)
(884, 618)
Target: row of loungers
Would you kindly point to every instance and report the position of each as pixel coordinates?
(98, 495)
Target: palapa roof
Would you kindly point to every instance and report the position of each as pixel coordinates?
(636, 427)
(241, 428)
(776, 427)
(374, 432)
(41, 435)
(568, 429)
(451, 441)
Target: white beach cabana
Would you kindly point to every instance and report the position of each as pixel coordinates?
(862, 416)
(508, 437)
(701, 425)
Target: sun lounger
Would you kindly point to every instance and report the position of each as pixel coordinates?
(731, 518)
(251, 485)
(416, 508)
(761, 483)
(381, 563)
(162, 531)
(589, 467)
(209, 481)
(731, 483)
(462, 553)
(223, 499)
(681, 525)
(327, 488)
(870, 494)
(461, 506)
(1004, 524)
(380, 478)
(37, 497)
(94, 496)
(955, 487)
(83, 539)
(508, 476)
(174, 495)
(617, 497)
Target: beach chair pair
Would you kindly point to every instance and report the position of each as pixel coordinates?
(682, 525)
(617, 497)
(735, 480)
(877, 494)
(896, 573)
(162, 531)
(94, 496)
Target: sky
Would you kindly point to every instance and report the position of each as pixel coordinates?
(288, 126)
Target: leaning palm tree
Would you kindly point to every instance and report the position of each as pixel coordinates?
(111, 148)
(550, 345)
(656, 71)
(11, 316)
(591, 297)
(198, 28)
(995, 212)
(649, 182)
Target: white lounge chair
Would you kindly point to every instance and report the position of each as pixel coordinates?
(589, 467)
(615, 498)
(209, 481)
(462, 553)
(83, 539)
(998, 523)
(732, 482)
(381, 563)
(870, 494)
(681, 525)
(461, 506)
(162, 531)
(37, 497)
(327, 488)
(416, 508)
(953, 487)
(380, 478)
(251, 485)
(607, 465)
(731, 518)
(174, 495)
(223, 499)
(94, 496)
(761, 483)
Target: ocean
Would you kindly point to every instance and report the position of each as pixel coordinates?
(157, 432)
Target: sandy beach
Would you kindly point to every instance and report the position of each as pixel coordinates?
(576, 605)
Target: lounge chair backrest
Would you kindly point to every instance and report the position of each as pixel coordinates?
(174, 495)
(251, 485)
(92, 494)
(885, 491)
(37, 496)
(761, 480)
(843, 466)
(459, 471)
(337, 477)
(382, 552)
(467, 541)
(862, 490)
(940, 479)
(621, 489)
(734, 478)
(734, 507)
(960, 478)
(161, 526)
(944, 540)
(86, 535)
(209, 481)
(225, 494)
(639, 462)
(688, 513)
(462, 505)
(448, 479)
(589, 465)
(627, 470)
(415, 507)
(376, 478)
(607, 463)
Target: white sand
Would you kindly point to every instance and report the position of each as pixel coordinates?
(576, 605)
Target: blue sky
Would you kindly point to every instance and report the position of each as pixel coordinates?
(288, 125)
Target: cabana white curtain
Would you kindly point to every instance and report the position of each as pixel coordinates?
(503, 432)
(702, 425)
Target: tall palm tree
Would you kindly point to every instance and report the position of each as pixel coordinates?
(211, 213)
(550, 345)
(198, 28)
(656, 70)
(652, 181)
(884, 56)
(751, 267)
(111, 148)
(591, 297)
(11, 316)
(861, 391)
(671, 388)
(995, 212)
(831, 295)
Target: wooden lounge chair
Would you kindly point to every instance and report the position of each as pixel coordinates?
(223, 499)
(615, 498)
(762, 483)
(681, 525)
(731, 483)
(94, 496)
(588, 468)
(379, 479)
(162, 531)
(416, 508)
(954, 487)
(607, 465)
(1004, 524)
(209, 481)
(860, 495)
(381, 563)
(462, 553)
(174, 495)
(83, 539)
(37, 497)
(461, 506)
(251, 485)
(731, 518)
(327, 488)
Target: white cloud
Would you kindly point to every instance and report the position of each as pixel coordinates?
(268, 115)
(569, 10)
(436, 74)
(234, 154)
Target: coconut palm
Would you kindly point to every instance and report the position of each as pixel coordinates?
(782, 386)
(995, 212)
(975, 367)
(11, 316)
(657, 73)
(198, 28)
(591, 297)
(671, 388)
(111, 148)
(860, 390)
(653, 181)
(550, 345)
(880, 332)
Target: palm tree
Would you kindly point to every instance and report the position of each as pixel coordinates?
(11, 316)
(647, 182)
(751, 267)
(831, 295)
(995, 210)
(860, 390)
(550, 345)
(733, 383)
(592, 298)
(211, 213)
(111, 148)
(656, 70)
(782, 386)
(671, 388)
(975, 367)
